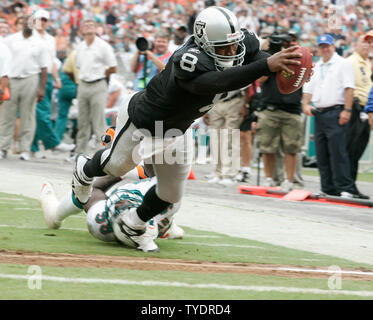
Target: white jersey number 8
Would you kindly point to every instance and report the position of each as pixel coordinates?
(188, 62)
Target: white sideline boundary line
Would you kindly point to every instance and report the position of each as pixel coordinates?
(327, 271)
(185, 242)
(203, 236)
(149, 283)
(18, 203)
(10, 199)
(28, 227)
(219, 245)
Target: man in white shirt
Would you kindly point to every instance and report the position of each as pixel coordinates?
(331, 90)
(4, 28)
(224, 122)
(96, 61)
(116, 95)
(44, 128)
(27, 80)
(5, 57)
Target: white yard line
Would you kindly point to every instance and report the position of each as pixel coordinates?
(227, 287)
(6, 200)
(180, 242)
(28, 227)
(347, 272)
(203, 236)
(219, 245)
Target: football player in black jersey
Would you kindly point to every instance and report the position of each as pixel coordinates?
(153, 123)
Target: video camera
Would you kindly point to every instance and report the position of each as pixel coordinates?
(142, 44)
(278, 41)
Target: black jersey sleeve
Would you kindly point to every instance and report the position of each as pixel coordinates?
(190, 62)
(252, 46)
(214, 82)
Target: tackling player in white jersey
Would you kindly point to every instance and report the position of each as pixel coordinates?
(110, 197)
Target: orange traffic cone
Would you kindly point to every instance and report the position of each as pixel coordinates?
(191, 175)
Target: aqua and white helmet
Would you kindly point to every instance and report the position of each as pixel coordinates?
(218, 26)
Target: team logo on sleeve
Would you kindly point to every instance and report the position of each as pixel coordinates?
(200, 26)
(194, 50)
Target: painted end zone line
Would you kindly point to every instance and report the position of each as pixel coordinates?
(193, 286)
(327, 271)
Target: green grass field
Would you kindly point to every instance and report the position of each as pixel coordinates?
(22, 229)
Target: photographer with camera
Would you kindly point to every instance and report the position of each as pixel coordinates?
(279, 122)
(150, 59)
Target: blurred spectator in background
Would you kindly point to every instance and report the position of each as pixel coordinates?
(179, 38)
(96, 62)
(111, 17)
(358, 131)
(280, 123)
(4, 28)
(76, 17)
(251, 103)
(369, 108)
(27, 81)
(146, 64)
(65, 95)
(70, 67)
(62, 42)
(19, 24)
(278, 174)
(44, 128)
(116, 94)
(224, 121)
(5, 60)
(331, 90)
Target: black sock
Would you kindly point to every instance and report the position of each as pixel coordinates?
(93, 167)
(151, 206)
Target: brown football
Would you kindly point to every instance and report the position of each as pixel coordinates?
(288, 83)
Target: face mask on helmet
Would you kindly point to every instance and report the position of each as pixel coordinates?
(218, 27)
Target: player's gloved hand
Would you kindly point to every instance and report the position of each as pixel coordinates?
(280, 60)
(108, 137)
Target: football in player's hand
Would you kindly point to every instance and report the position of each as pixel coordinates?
(288, 83)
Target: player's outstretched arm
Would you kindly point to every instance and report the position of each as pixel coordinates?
(215, 82)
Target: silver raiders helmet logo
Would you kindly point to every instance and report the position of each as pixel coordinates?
(199, 27)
